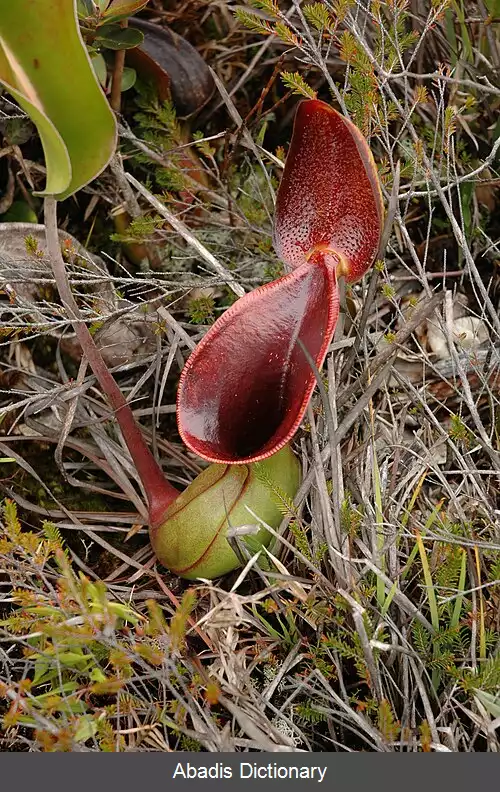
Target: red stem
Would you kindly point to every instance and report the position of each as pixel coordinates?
(160, 493)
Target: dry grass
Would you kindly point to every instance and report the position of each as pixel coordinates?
(376, 626)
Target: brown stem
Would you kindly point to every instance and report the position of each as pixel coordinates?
(116, 80)
(160, 493)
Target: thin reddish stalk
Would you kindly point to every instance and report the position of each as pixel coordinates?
(116, 81)
(160, 493)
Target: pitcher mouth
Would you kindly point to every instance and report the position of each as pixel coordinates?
(257, 403)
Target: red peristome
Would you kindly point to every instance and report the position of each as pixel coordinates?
(329, 197)
(245, 388)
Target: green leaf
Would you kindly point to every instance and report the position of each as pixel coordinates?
(44, 671)
(455, 619)
(85, 8)
(297, 84)
(100, 68)
(318, 16)
(128, 79)
(253, 22)
(115, 37)
(466, 193)
(493, 7)
(121, 9)
(431, 591)
(45, 66)
(489, 702)
(87, 728)
(97, 675)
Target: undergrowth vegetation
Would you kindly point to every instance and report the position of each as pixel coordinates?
(373, 622)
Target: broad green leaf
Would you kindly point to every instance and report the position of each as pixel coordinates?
(45, 66)
(56, 153)
(116, 37)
